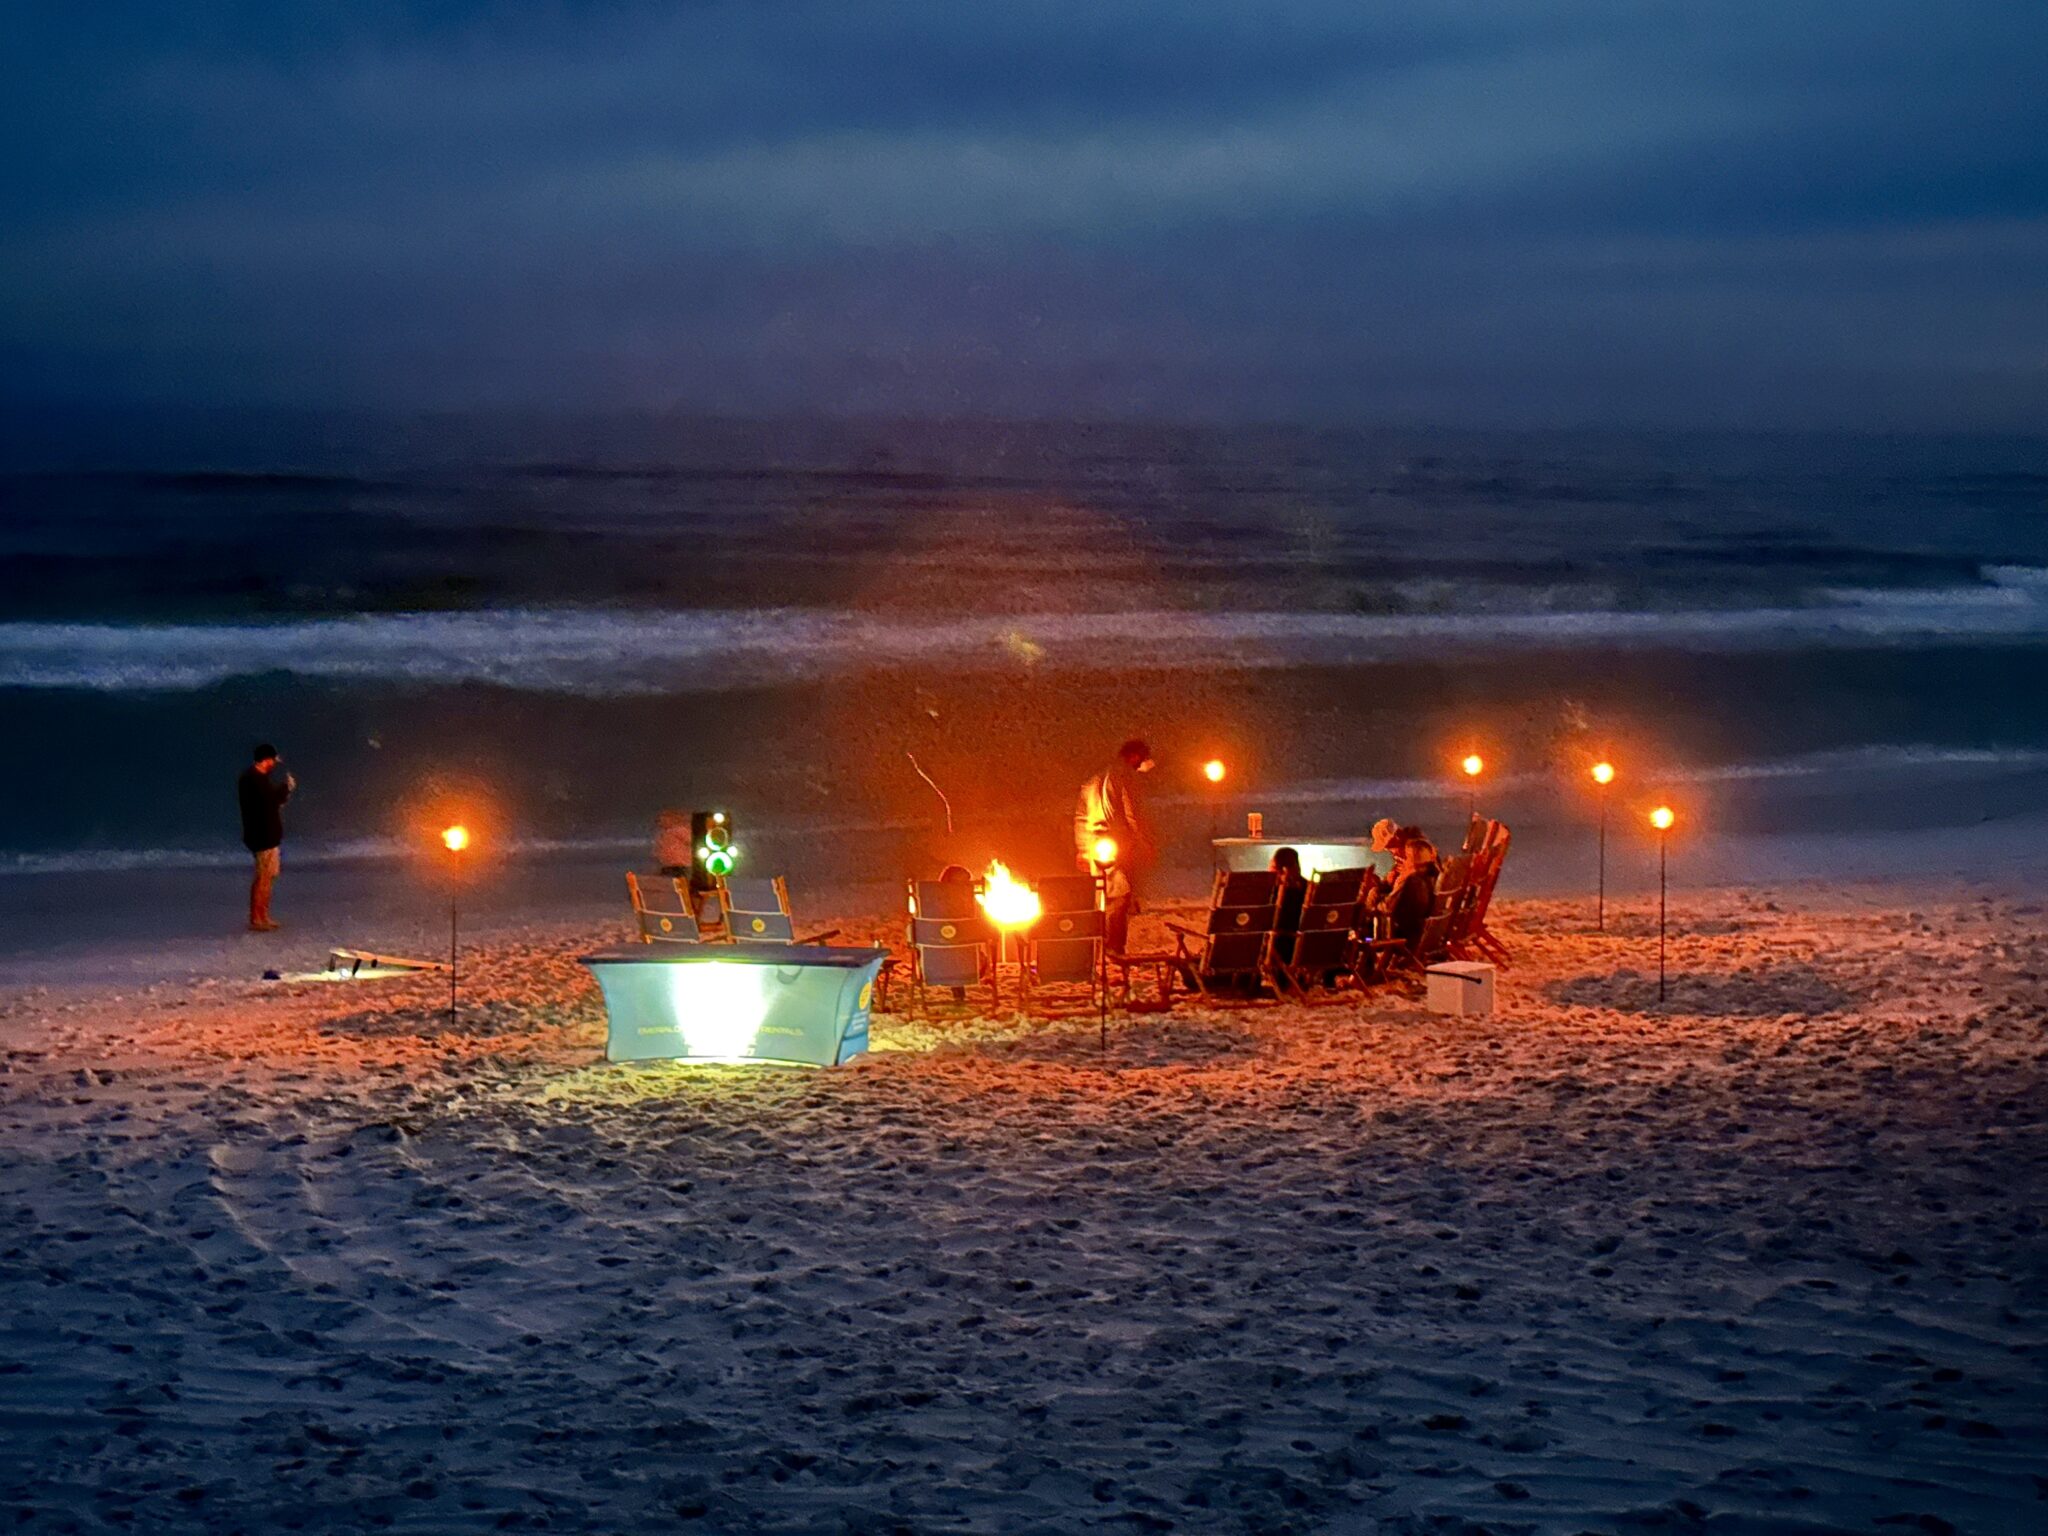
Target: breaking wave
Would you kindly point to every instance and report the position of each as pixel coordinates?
(598, 651)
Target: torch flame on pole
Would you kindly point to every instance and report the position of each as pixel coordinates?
(1009, 902)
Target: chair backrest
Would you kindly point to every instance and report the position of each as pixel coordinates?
(946, 900)
(1335, 887)
(1244, 907)
(1069, 893)
(949, 933)
(1496, 855)
(1477, 831)
(1329, 915)
(1065, 944)
(1434, 945)
(663, 909)
(758, 910)
(756, 895)
(1324, 940)
(1245, 888)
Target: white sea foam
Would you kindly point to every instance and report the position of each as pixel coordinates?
(606, 651)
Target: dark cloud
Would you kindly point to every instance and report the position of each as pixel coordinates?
(1745, 213)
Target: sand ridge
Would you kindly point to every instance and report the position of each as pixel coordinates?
(1766, 1258)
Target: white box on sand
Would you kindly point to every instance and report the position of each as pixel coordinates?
(1461, 986)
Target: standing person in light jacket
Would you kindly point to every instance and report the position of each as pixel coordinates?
(263, 794)
(1109, 808)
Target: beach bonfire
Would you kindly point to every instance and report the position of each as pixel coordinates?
(1008, 901)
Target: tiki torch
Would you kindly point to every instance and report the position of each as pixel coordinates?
(1214, 771)
(456, 840)
(1661, 818)
(1473, 765)
(1603, 775)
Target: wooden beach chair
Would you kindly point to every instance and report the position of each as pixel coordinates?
(664, 909)
(758, 911)
(1384, 958)
(1065, 947)
(1476, 937)
(1326, 943)
(952, 942)
(1230, 952)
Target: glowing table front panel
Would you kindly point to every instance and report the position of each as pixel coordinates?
(1317, 853)
(798, 1004)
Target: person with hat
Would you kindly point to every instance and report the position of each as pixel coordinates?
(1109, 809)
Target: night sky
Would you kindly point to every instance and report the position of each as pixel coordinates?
(1753, 213)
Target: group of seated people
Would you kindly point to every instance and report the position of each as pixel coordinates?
(1404, 897)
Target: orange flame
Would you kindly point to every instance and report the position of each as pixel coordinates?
(1473, 764)
(1009, 902)
(1603, 773)
(1662, 818)
(1213, 770)
(1105, 850)
(455, 838)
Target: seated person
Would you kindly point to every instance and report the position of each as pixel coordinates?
(672, 843)
(1408, 902)
(1387, 837)
(1293, 891)
(1414, 893)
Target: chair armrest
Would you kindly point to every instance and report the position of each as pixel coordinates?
(819, 938)
(1184, 931)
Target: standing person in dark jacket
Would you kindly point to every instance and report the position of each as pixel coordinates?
(263, 798)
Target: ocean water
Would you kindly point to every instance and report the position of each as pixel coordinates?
(573, 625)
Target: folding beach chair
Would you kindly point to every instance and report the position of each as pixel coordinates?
(758, 912)
(952, 942)
(1325, 945)
(1386, 958)
(1065, 946)
(1230, 952)
(1488, 865)
(664, 909)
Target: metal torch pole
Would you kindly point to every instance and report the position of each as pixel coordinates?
(1661, 844)
(452, 930)
(1600, 920)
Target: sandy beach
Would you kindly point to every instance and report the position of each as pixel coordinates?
(1768, 1257)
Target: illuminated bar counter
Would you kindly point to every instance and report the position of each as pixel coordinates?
(788, 1004)
(1317, 853)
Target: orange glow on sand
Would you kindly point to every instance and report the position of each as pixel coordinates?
(1009, 902)
(1213, 770)
(1473, 764)
(1603, 773)
(1662, 818)
(455, 838)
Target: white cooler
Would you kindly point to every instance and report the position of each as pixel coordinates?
(1461, 986)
